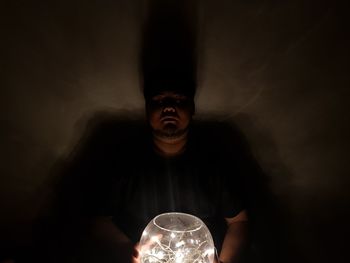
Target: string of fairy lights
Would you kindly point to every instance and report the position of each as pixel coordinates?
(173, 249)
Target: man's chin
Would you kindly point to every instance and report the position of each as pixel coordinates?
(170, 133)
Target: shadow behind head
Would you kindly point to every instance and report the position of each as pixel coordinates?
(168, 53)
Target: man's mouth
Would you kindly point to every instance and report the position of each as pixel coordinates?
(169, 119)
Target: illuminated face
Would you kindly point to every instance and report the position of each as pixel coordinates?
(169, 114)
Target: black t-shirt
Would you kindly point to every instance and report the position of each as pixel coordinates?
(196, 182)
(129, 181)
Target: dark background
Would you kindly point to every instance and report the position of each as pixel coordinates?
(278, 69)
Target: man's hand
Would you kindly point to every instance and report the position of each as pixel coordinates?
(235, 239)
(135, 258)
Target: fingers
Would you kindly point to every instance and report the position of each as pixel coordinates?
(136, 251)
(135, 260)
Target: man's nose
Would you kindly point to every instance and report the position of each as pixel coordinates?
(169, 109)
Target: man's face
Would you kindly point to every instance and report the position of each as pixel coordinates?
(169, 114)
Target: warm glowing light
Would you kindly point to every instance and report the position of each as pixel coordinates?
(179, 244)
(176, 238)
(154, 238)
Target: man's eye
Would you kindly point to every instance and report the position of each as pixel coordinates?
(181, 101)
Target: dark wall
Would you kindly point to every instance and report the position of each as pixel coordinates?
(278, 69)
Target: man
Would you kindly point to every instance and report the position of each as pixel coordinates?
(169, 115)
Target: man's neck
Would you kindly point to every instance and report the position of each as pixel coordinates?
(169, 147)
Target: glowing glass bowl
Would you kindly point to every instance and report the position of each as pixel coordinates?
(176, 238)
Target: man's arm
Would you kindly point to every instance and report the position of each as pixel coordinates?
(236, 238)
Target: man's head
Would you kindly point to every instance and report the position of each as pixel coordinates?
(169, 114)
